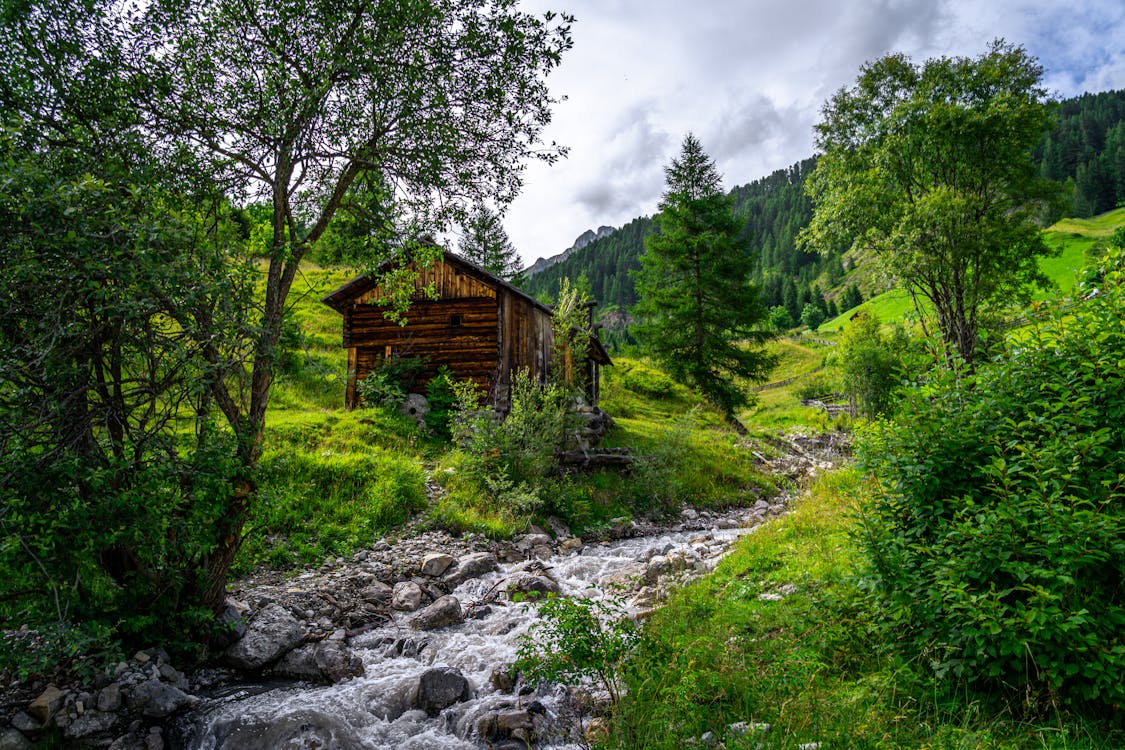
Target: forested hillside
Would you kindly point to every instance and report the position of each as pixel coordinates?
(1086, 150)
(1087, 147)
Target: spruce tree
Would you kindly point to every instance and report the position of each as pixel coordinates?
(696, 307)
(485, 243)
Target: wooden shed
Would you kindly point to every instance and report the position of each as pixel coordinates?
(480, 326)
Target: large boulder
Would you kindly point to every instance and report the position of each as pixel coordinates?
(47, 704)
(436, 563)
(272, 632)
(442, 613)
(530, 586)
(156, 699)
(376, 592)
(406, 596)
(439, 688)
(329, 661)
(470, 566)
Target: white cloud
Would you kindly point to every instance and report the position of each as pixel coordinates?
(749, 78)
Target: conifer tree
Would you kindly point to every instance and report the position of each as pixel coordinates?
(485, 243)
(696, 306)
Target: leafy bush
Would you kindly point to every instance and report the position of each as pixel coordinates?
(871, 363)
(816, 386)
(522, 447)
(389, 384)
(997, 544)
(441, 392)
(575, 639)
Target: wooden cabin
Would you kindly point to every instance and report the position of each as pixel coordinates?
(480, 326)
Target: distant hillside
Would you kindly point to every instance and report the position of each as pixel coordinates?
(1086, 151)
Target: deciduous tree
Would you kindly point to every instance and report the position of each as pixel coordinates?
(291, 102)
(930, 166)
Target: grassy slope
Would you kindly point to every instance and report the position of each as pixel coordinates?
(332, 481)
(779, 635)
(1072, 236)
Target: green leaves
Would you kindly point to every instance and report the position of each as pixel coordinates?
(696, 306)
(930, 166)
(998, 536)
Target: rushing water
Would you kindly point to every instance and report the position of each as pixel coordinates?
(374, 711)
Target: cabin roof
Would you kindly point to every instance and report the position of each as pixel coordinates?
(360, 285)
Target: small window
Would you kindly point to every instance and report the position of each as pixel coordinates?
(454, 321)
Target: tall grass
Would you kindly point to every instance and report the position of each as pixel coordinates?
(783, 635)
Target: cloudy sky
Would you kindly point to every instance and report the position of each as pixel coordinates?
(748, 77)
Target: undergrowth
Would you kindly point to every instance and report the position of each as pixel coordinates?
(782, 640)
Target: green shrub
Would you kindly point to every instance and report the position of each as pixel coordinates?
(442, 395)
(390, 382)
(522, 447)
(816, 386)
(997, 543)
(577, 638)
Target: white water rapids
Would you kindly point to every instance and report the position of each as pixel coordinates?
(374, 711)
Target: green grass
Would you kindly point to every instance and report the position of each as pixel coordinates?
(1074, 237)
(813, 663)
(332, 481)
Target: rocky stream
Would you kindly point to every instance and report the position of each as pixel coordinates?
(406, 645)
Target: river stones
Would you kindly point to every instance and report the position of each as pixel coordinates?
(470, 566)
(436, 563)
(444, 612)
(376, 592)
(406, 596)
(157, 699)
(329, 661)
(271, 633)
(531, 586)
(440, 688)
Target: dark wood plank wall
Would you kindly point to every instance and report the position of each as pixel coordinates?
(498, 333)
(469, 348)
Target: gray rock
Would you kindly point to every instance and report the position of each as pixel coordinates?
(501, 680)
(560, 529)
(328, 661)
(300, 663)
(436, 563)
(406, 596)
(440, 688)
(471, 566)
(416, 405)
(109, 699)
(376, 592)
(12, 739)
(271, 633)
(337, 662)
(535, 540)
(173, 675)
(442, 613)
(532, 586)
(90, 723)
(47, 704)
(157, 699)
(510, 721)
(25, 723)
